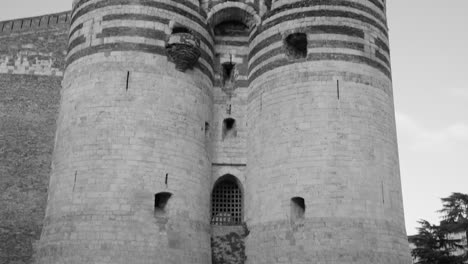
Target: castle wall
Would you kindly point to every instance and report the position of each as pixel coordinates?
(323, 181)
(130, 126)
(32, 55)
(318, 126)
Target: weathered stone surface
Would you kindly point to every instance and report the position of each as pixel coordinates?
(31, 64)
(28, 107)
(314, 121)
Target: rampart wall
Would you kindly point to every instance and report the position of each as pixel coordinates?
(32, 55)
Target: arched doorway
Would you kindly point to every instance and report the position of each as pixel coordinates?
(227, 228)
(226, 202)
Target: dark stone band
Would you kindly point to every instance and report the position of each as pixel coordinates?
(339, 3)
(322, 13)
(324, 57)
(125, 46)
(77, 41)
(324, 29)
(146, 3)
(145, 18)
(183, 2)
(338, 44)
(77, 27)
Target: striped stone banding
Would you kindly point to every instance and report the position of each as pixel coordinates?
(381, 44)
(77, 41)
(129, 46)
(382, 57)
(378, 4)
(145, 3)
(322, 13)
(323, 57)
(312, 44)
(75, 29)
(141, 32)
(150, 18)
(375, 3)
(335, 3)
(321, 29)
(125, 46)
(182, 2)
(132, 32)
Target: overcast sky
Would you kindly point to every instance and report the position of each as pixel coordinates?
(429, 45)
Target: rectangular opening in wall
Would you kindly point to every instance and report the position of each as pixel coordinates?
(298, 208)
(207, 129)
(296, 45)
(228, 70)
(229, 128)
(160, 201)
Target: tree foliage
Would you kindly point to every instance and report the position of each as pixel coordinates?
(439, 244)
(455, 213)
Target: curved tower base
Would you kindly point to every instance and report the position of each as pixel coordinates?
(130, 178)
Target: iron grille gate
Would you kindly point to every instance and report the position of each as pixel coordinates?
(226, 204)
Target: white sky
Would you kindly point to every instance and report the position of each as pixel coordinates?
(429, 45)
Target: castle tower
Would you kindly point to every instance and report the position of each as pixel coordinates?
(216, 131)
(130, 180)
(323, 182)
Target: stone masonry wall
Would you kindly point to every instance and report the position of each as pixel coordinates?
(131, 127)
(316, 125)
(322, 166)
(32, 55)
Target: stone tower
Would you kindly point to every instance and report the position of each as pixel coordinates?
(214, 131)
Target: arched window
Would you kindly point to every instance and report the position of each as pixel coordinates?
(226, 202)
(231, 28)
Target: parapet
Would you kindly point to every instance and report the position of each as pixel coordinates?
(35, 23)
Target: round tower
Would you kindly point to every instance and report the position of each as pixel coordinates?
(323, 183)
(131, 176)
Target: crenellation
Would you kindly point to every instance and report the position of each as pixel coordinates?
(33, 23)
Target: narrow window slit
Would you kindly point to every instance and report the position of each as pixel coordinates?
(128, 79)
(383, 194)
(338, 89)
(74, 183)
(207, 128)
